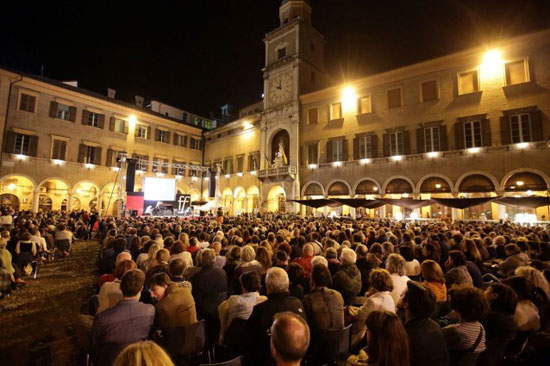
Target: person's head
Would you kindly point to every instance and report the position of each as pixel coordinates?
(396, 264)
(264, 257)
(250, 281)
(289, 338)
(456, 258)
(281, 258)
(276, 281)
(177, 248)
(176, 268)
(534, 276)
(308, 250)
(470, 303)
(208, 256)
(124, 266)
(432, 272)
(122, 256)
(419, 301)
(521, 286)
(296, 273)
(158, 284)
(163, 256)
(348, 256)
(319, 260)
(388, 340)
(248, 254)
(511, 249)
(146, 353)
(380, 280)
(501, 298)
(217, 246)
(320, 276)
(26, 236)
(131, 283)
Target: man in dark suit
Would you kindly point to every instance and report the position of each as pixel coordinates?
(127, 322)
(257, 326)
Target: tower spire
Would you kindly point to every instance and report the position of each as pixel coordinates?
(291, 9)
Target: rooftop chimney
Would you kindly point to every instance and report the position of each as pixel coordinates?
(139, 100)
(111, 93)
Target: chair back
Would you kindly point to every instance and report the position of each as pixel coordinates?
(332, 344)
(237, 361)
(186, 341)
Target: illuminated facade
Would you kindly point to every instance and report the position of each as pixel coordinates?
(471, 124)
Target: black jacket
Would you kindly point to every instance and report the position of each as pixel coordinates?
(209, 290)
(427, 345)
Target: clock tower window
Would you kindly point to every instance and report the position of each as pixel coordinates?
(281, 52)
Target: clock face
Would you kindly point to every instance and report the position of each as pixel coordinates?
(280, 88)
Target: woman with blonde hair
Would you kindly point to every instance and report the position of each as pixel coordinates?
(535, 277)
(151, 254)
(146, 353)
(434, 279)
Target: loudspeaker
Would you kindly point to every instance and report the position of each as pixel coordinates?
(211, 183)
(130, 174)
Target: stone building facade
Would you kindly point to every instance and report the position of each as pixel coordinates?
(470, 124)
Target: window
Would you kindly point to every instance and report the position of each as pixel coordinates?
(516, 72)
(93, 119)
(366, 148)
(119, 125)
(240, 164)
(429, 91)
(394, 98)
(178, 168)
(64, 112)
(472, 134)
(22, 144)
(365, 105)
(194, 143)
(142, 162)
(163, 136)
(335, 111)
(253, 161)
(160, 165)
(142, 131)
(520, 127)
(337, 150)
(397, 143)
(92, 155)
(59, 149)
(27, 102)
(313, 116)
(194, 172)
(281, 52)
(313, 153)
(432, 139)
(228, 166)
(468, 82)
(180, 140)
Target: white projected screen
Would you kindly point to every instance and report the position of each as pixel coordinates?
(159, 189)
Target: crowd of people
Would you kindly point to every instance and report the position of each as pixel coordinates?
(271, 287)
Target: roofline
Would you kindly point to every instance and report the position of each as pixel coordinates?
(105, 98)
(540, 36)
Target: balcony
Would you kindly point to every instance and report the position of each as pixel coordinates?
(280, 173)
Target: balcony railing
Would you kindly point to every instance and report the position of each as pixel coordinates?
(281, 172)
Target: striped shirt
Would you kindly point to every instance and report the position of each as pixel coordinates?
(462, 336)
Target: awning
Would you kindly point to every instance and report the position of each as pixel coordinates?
(359, 202)
(317, 203)
(407, 202)
(463, 202)
(524, 202)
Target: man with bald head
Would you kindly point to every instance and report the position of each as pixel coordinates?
(289, 339)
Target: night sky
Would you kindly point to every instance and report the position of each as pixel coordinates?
(200, 54)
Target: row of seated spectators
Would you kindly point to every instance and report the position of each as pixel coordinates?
(409, 293)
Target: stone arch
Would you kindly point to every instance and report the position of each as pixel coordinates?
(511, 173)
(433, 175)
(86, 182)
(14, 175)
(309, 184)
(9, 200)
(21, 186)
(396, 177)
(342, 186)
(253, 197)
(55, 190)
(276, 199)
(365, 180)
(476, 172)
(37, 187)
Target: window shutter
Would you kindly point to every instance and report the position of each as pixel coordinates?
(374, 139)
(443, 140)
(329, 151)
(420, 141)
(175, 139)
(537, 132)
(85, 114)
(149, 137)
(386, 148)
(168, 137)
(126, 127)
(72, 114)
(10, 142)
(356, 148)
(407, 142)
(345, 149)
(157, 134)
(97, 160)
(184, 141)
(459, 135)
(81, 153)
(505, 136)
(109, 161)
(63, 150)
(112, 122)
(53, 109)
(33, 147)
(101, 121)
(486, 133)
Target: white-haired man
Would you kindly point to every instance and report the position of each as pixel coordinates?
(257, 326)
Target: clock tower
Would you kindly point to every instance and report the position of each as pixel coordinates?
(294, 65)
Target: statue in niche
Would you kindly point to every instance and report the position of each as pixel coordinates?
(280, 159)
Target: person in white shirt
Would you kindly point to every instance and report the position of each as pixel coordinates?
(395, 264)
